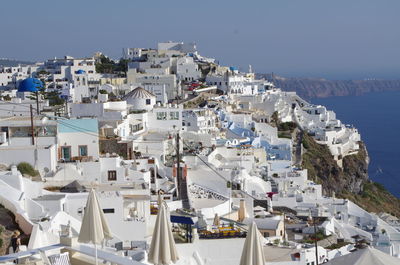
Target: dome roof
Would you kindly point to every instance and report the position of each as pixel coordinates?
(139, 92)
(30, 85)
(80, 72)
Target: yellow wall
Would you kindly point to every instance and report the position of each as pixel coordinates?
(113, 81)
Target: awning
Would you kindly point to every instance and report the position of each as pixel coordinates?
(181, 220)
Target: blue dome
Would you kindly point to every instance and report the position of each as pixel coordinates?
(80, 72)
(30, 85)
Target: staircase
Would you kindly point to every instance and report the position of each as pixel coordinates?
(183, 191)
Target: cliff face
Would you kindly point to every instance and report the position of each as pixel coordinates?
(323, 169)
(317, 88)
(349, 182)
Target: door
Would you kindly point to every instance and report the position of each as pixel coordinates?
(66, 153)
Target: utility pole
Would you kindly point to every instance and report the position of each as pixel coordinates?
(32, 128)
(37, 102)
(315, 242)
(178, 166)
(284, 227)
(66, 107)
(177, 92)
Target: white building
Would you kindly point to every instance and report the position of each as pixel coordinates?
(187, 70)
(20, 107)
(168, 81)
(177, 46)
(164, 118)
(140, 99)
(69, 69)
(78, 139)
(11, 76)
(17, 144)
(200, 120)
(110, 110)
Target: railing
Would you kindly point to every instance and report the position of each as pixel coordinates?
(203, 192)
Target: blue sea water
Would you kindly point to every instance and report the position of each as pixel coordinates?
(377, 117)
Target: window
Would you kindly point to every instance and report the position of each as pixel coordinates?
(108, 210)
(148, 101)
(112, 175)
(81, 210)
(174, 115)
(161, 115)
(83, 151)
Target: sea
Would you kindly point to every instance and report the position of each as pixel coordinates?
(377, 118)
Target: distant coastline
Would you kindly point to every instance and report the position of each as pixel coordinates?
(5, 62)
(321, 88)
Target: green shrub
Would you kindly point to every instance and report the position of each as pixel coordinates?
(284, 135)
(305, 143)
(379, 186)
(27, 169)
(287, 126)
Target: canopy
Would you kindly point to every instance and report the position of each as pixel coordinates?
(94, 228)
(259, 208)
(162, 248)
(253, 253)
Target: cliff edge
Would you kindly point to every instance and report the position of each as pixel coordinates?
(351, 181)
(319, 88)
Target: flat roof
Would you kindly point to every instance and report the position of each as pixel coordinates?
(267, 223)
(279, 254)
(50, 197)
(25, 147)
(137, 197)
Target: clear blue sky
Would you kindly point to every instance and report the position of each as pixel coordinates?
(319, 38)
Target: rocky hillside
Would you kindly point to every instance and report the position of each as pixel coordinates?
(316, 87)
(10, 62)
(7, 227)
(351, 182)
